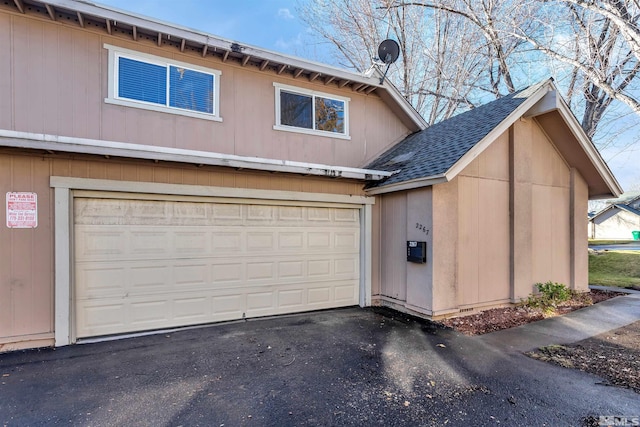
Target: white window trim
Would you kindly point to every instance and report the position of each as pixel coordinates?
(112, 98)
(307, 92)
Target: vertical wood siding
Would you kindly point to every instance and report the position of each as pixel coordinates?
(393, 245)
(483, 227)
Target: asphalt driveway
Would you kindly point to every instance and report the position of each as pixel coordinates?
(339, 367)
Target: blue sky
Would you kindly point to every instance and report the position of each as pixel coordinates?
(270, 24)
(275, 25)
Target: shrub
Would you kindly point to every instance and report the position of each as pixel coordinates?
(555, 292)
(549, 295)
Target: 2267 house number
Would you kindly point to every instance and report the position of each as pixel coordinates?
(422, 228)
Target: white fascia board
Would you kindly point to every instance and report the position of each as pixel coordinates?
(48, 142)
(603, 210)
(407, 185)
(474, 152)
(210, 40)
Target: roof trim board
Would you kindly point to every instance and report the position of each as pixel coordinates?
(589, 148)
(615, 206)
(484, 143)
(53, 143)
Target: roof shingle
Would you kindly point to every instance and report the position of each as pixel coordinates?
(433, 151)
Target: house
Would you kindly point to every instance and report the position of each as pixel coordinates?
(158, 177)
(495, 193)
(618, 219)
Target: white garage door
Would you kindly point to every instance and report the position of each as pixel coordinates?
(147, 264)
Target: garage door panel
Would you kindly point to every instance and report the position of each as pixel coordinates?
(191, 309)
(348, 241)
(191, 242)
(319, 296)
(227, 307)
(348, 267)
(345, 293)
(144, 312)
(100, 280)
(259, 241)
(291, 270)
(294, 298)
(226, 273)
(192, 275)
(103, 318)
(208, 262)
(96, 243)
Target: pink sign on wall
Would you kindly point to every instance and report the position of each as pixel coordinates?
(22, 210)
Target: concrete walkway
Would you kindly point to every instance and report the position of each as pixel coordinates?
(575, 326)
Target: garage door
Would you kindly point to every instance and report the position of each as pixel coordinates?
(148, 264)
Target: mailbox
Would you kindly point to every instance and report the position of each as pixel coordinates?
(416, 251)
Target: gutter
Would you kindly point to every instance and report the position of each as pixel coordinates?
(53, 143)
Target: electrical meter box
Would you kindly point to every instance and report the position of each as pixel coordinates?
(417, 251)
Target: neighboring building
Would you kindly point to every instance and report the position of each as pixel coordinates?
(618, 219)
(184, 179)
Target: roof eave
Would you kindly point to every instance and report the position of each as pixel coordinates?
(407, 185)
(55, 143)
(591, 151)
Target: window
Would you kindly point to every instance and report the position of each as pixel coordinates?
(306, 111)
(149, 82)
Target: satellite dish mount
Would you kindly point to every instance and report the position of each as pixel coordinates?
(388, 52)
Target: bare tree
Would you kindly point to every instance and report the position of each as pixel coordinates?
(440, 64)
(602, 65)
(455, 53)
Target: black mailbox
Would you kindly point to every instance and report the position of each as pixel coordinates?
(416, 251)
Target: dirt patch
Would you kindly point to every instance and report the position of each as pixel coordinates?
(509, 317)
(614, 356)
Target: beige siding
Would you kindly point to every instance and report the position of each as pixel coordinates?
(543, 204)
(420, 228)
(376, 247)
(406, 216)
(393, 272)
(59, 83)
(26, 256)
(483, 227)
(580, 245)
(504, 223)
(445, 245)
(6, 87)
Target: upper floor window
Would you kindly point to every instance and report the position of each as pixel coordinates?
(150, 82)
(307, 111)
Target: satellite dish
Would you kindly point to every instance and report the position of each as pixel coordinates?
(388, 52)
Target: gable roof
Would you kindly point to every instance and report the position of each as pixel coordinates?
(619, 206)
(438, 153)
(625, 198)
(128, 24)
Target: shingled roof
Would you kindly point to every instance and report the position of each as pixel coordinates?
(435, 150)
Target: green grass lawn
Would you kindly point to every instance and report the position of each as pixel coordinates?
(615, 268)
(609, 242)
